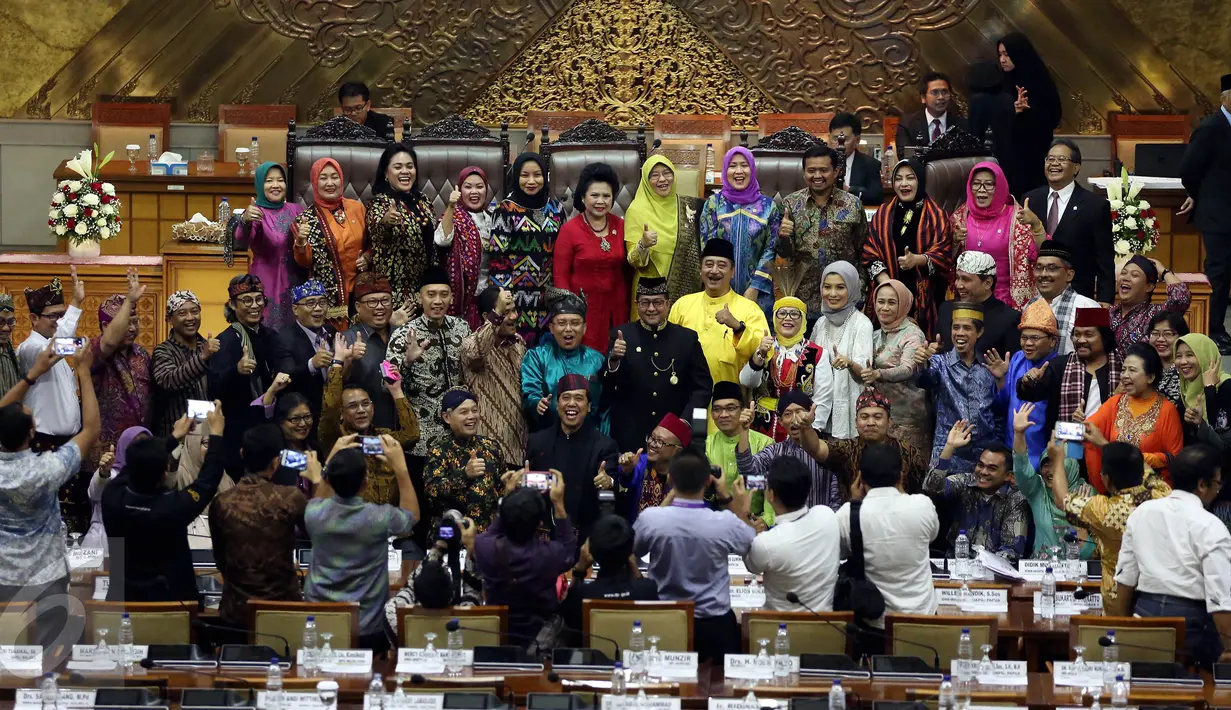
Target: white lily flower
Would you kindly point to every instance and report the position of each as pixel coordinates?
(81, 165)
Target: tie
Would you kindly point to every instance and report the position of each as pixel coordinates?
(935, 129)
(1053, 213)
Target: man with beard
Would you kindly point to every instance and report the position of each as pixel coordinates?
(491, 361)
(369, 335)
(975, 282)
(463, 469)
(554, 357)
(11, 370)
(576, 447)
(306, 346)
(1053, 276)
(643, 475)
(180, 363)
(653, 367)
(1086, 378)
(844, 457)
(121, 369)
(1038, 336)
(796, 413)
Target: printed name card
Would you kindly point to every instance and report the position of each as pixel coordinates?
(670, 665)
(750, 667)
(1067, 675)
(86, 658)
(736, 566)
(85, 558)
(1002, 672)
(298, 700)
(652, 702)
(21, 659)
(1064, 570)
(420, 660)
(1068, 605)
(745, 704)
(101, 586)
(342, 660)
(395, 560)
(747, 596)
(989, 600)
(33, 698)
(410, 701)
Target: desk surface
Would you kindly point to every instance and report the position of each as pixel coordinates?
(57, 259)
(117, 171)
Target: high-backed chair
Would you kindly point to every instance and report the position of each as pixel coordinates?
(153, 622)
(357, 149)
(1129, 129)
(683, 138)
(1160, 632)
(594, 141)
(949, 161)
(810, 633)
(910, 634)
(272, 619)
(16, 620)
(452, 143)
(401, 119)
(780, 168)
(671, 622)
(116, 125)
(547, 126)
(414, 621)
(816, 124)
(238, 123)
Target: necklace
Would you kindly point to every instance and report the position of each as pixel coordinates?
(601, 234)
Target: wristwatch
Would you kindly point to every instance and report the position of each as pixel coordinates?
(28, 380)
(742, 327)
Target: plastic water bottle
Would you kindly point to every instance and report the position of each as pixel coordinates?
(311, 661)
(961, 548)
(837, 696)
(782, 654)
(889, 159)
(1119, 693)
(1111, 661)
(51, 692)
(224, 212)
(125, 641)
(154, 147)
(1073, 547)
(255, 155)
(1047, 600)
(643, 701)
(376, 693)
(619, 685)
(965, 663)
(273, 685)
(455, 661)
(945, 697)
(636, 653)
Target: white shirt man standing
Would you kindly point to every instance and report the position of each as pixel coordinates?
(53, 397)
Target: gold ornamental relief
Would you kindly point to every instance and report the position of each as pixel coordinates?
(631, 60)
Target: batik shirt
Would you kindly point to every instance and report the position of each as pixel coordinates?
(31, 547)
(11, 370)
(824, 489)
(437, 371)
(447, 487)
(961, 391)
(999, 521)
(822, 236)
(753, 230)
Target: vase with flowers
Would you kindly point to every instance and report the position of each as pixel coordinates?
(85, 212)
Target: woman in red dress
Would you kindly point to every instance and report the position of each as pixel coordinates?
(589, 254)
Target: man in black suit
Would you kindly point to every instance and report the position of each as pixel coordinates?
(1206, 172)
(935, 92)
(356, 102)
(863, 172)
(307, 346)
(1077, 218)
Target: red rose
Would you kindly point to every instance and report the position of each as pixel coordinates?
(96, 186)
(1141, 234)
(89, 212)
(1115, 215)
(51, 223)
(72, 223)
(72, 197)
(64, 189)
(107, 199)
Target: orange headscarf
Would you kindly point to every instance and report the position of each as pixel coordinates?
(318, 198)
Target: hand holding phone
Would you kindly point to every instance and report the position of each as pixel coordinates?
(1070, 431)
(755, 483)
(67, 346)
(199, 408)
(537, 479)
(294, 459)
(372, 446)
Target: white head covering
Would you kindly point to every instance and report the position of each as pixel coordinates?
(977, 263)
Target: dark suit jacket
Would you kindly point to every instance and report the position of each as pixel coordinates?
(1206, 172)
(296, 350)
(1085, 228)
(381, 123)
(916, 123)
(866, 179)
(577, 457)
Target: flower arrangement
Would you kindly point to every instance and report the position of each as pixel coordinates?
(1133, 229)
(85, 210)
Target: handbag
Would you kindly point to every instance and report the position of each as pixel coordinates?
(853, 591)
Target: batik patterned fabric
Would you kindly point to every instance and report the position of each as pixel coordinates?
(122, 385)
(447, 487)
(961, 391)
(520, 250)
(753, 230)
(491, 367)
(401, 251)
(436, 372)
(998, 521)
(823, 236)
(1130, 324)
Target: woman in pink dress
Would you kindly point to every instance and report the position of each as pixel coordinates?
(264, 230)
(589, 254)
(988, 222)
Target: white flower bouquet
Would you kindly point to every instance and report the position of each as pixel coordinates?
(85, 210)
(1133, 220)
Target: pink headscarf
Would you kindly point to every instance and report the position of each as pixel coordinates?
(995, 215)
(753, 190)
(906, 299)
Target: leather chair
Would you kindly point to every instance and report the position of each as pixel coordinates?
(779, 159)
(546, 126)
(153, 622)
(116, 125)
(671, 622)
(594, 141)
(356, 148)
(810, 633)
(268, 619)
(415, 621)
(949, 161)
(1140, 635)
(238, 123)
(911, 634)
(452, 143)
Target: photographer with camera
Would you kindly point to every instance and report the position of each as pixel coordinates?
(446, 577)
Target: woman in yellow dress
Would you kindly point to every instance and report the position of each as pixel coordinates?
(660, 232)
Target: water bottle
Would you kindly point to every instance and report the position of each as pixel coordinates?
(890, 159)
(636, 654)
(711, 165)
(643, 701)
(961, 548)
(619, 686)
(255, 155)
(376, 693)
(224, 212)
(1119, 693)
(455, 661)
(1047, 600)
(1111, 661)
(51, 692)
(837, 696)
(311, 661)
(965, 663)
(945, 697)
(125, 641)
(782, 654)
(153, 147)
(273, 685)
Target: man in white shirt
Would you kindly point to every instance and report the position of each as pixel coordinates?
(53, 397)
(1176, 556)
(897, 530)
(800, 553)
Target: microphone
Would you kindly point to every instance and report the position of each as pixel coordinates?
(147, 664)
(855, 628)
(455, 625)
(1107, 641)
(286, 645)
(616, 644)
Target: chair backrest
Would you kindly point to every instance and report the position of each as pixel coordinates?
(817, 124)
(401, 119)
(594, 141)
(15, 623)
(415, 621)
(357, 149)
(810, 633)
(683, 138)
(1156, 632)
(1129, 129)
(779, 157)
(153, 622)
(116, 125)
(287, 619)
(949, 161)
(455, 142)
(909, 634)
(671, 622)
(238, 123)
(547, 126)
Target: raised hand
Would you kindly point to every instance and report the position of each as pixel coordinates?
(1196, 413)
(998, 365)
(44, 362)
(281, 380)
(454, 196)
(807, 418)
(361, 262)
(725, 317)
(787, 228)
(911, 261)
(401, 315)
(959, 235)
(359, 348)
(511, 480)
(1079, 414)
(925, 353)
(839, 361)
(415, 347)
(603, 481)
(762, 353)
(1021, 418)
(247, 363)
(870, 376)
(543, 404)
(212, 345)
(323, 355)
(628, 462)
(960, 435)
(1023, 100)
(215, 421)
(476, 467)
(135, 289)
(746, 416)
(1027, 217)
(252, 213)
(1212, 373)
(391, 216)
(78, 287)
(1033, 374)
(179, 430)
(649, 238)
(105, 461)
(619, 347)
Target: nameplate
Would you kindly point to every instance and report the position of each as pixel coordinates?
(975, 570)
(1002, 673)
(652, 702)
(172, 188)
(745, 704)
(88, 654)
(101, 586)
(85, 558)
(1064, 570)
(395, 560)
(671, 665)
(344, 660)
(748, 596)
(736, 566)
(1067, 605)
(298, 700)
(750, 667)
(420, 660)
(989, 600)
(33, 698)
(410, 701)
(19, 659)
(1067, 676)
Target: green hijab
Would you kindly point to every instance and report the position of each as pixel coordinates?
(261, 171)
(1206, 351)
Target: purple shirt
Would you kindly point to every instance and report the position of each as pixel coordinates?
(523, 577)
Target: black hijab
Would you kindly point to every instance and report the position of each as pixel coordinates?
(906, 215)
(538, 199)
(1030, 72)
(382, 186)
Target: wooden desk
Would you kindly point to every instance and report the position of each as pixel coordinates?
(1198, 315)
(199, 268)
(150, 204)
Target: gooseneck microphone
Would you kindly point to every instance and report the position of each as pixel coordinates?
(856, 629)
(1107, 641)
(286, 645)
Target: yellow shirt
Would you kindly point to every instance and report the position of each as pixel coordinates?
(725, 353)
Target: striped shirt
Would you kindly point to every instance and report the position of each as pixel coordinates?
(179, 375)
(824, 484)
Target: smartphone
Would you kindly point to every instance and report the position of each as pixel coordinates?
(198, 408)
(445, 532)
(372, 446)
(67, 346)
(389, 372)
(754, 483)
(1070, 431)
(294, 459)
(537, 479)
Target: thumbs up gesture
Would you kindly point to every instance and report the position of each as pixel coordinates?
(1027, 217)
(619, 347)
(762, 353)
(746, 416)
(1196, 413)
(252, 213)
(391, 216)
(649, 238)
(725, 317)
(787, 228)
(247, 363)
(476, 467)
(603, 481)
(543, 404)
(922, 355)
(212, 345)
(1033, 374)
(911, 261)
(323, 355)
(455, 196)
(359, 349)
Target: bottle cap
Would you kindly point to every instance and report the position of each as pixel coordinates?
(124, 615)
(837, 681)
(782, 625)
(961, 531)
(965, 631)
(618, 665)
(637, 623)
(273, 660)
(1049, 570)
(311, 617)
(1119, 678)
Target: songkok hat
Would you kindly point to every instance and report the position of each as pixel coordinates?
(1054, 248)
(966, 309)
(725, 389)
(369, 283)
(1037, 315)
(454, 399)
(677, 426)
(178, 299)
(435, 276)
(1146, 266)
(654, 286)
(110, 308)
(6, 302)
(569, 383)
(1225, 82)
(793, 397)
(245, 283)
(719, 247)
(977, 262)
(872, 397)
(1092, 318)
(308, 289)
(561, 302)
(52, 294)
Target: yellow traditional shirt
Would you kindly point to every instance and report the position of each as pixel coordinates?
(725, 353)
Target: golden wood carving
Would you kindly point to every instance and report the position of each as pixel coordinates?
(1091, 121)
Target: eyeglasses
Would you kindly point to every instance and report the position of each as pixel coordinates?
(1032, 339)
(377, 302)
(982, 186)
(353, 110)
(358, 406)
(251, 301)
(301, 419)
(732, 409)
(8, 322)
(654, 442)
(1050, 269)
(1056, 160)
(789, 314)
(938, 92)
(51, 316)
(316, 304)
(651, 302)
(1162, 334)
